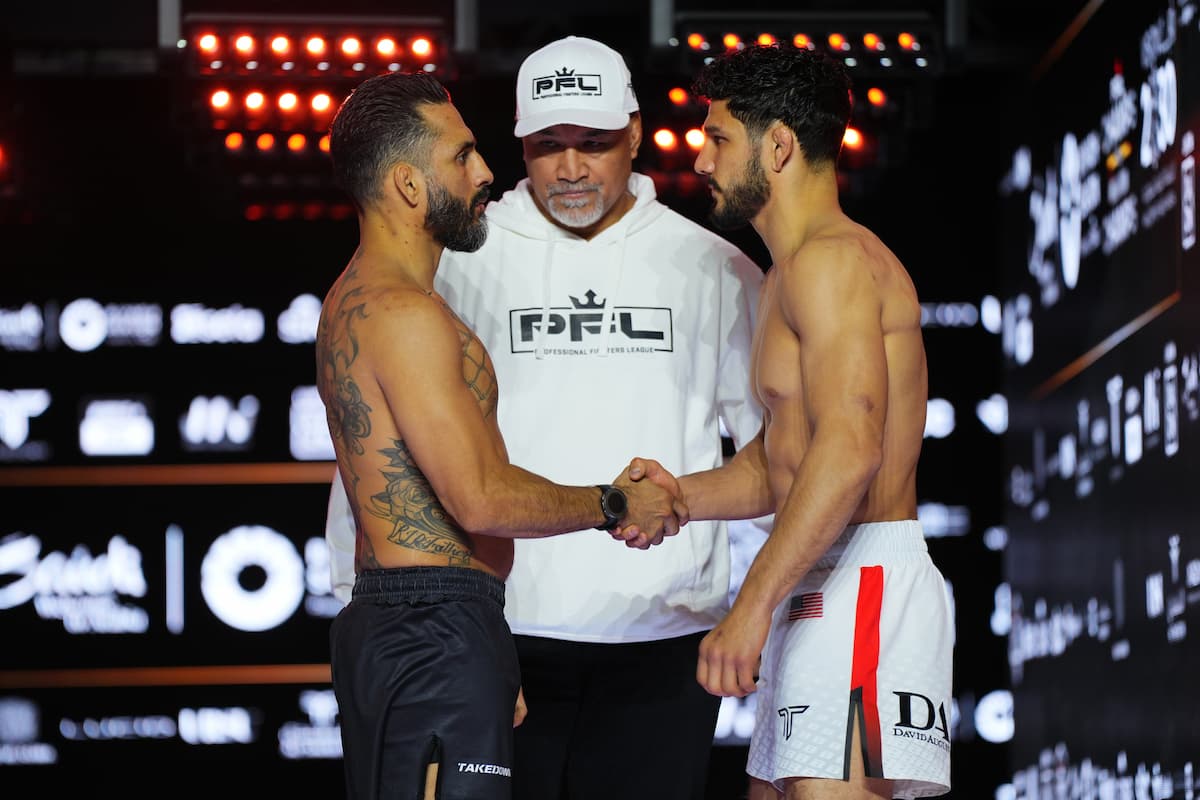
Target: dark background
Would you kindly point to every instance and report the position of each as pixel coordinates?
(114, 186)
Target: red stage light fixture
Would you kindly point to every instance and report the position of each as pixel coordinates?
(386, 47)
(255, 101)
(695, 41)
(321, 102)
(421, 47)
(288, 101)
(731, 41)
(281, 45)
(871, 41)
(852, 139)
(876, 96)
(208, 43)
(351, 47)
(265, 141)
(802, 42)
(666, 139)
(234, 141)
(678, 96)
(838, 42)
(315, 46)
(766, 39)
(244, 44)
(297, 142)
(323, 143)
(906, 40)
(220, 100)
(694, 138)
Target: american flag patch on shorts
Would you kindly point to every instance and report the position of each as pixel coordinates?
(806, 606)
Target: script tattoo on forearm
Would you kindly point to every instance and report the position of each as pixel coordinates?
(419, 522)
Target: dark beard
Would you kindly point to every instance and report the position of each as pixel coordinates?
(451, 222)
(743, 200)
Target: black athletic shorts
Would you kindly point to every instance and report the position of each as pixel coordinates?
(425, 670)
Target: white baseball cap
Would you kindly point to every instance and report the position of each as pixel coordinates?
(574, 81)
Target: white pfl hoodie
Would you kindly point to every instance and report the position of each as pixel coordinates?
(632, 343)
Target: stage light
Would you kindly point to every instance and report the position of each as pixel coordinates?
(220, 100)
(853, 139)
(281, 45)
(694, 138)
(696, 41)
(315, 46)
(666, 139)
(323, 143)
(244, 44)
(351, 47)
(265, 141)
(255, 101)
(296, 142)
(838, 42)
(906, 40)
(678, 96)
(288, 101)
(732, 41)
(421, 47)
(254, 212)
(321, 102)
(876, 96)
(386, 47)
(802, 42)
(871, 41)
(208, 43)
(766, 39)
(234, 141)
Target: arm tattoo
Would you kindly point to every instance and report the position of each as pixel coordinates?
(419, 522)
(337, 348)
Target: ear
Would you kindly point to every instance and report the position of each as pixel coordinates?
(408, 181)
(635, 134)
(783, 144)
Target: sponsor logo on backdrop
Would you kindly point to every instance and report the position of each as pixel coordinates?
(116, 427)
(319, 736)
(193, 323)
(297, 324)
(86, 592)
(217, 423)
(206, 726)
(17, 408)
(239, 558)
(308, 434)
(20, 730)
(21, 328)
(85, 324)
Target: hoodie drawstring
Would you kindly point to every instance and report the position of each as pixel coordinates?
(540, 350)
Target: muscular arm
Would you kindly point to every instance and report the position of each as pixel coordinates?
(736, 490)
(445, 434)
(829, 299)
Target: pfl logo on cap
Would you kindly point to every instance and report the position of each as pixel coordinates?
(565, 83)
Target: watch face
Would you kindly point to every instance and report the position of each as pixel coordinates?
(615, 502)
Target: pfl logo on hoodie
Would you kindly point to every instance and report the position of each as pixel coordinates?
(578, 329)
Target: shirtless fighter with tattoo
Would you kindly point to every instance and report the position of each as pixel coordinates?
(424, 666)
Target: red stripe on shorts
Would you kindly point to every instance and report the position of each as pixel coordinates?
(865, 666)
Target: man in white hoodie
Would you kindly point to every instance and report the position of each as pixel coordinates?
(616, 326)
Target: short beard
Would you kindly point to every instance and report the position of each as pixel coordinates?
(743, 200)
(575, 217)
(452, 222)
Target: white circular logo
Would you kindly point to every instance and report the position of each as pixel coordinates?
(83, 325)
(252, 609)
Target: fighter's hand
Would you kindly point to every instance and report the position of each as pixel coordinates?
(731, 653)
(521, 709)
(648, 469)
(652, 513)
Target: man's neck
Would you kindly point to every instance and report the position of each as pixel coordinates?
(797, 212)
(399, 247)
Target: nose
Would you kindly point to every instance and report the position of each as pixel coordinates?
(484, 177)
(703, 164)
(572, 166)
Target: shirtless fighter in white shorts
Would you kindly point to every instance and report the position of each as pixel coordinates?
(855, 679)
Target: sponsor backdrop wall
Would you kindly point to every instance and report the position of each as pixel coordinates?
(1101, 339)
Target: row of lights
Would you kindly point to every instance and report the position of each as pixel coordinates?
(267, 142)
(837, 42)
(668, 141)
(256, 107)
(681, 97)
(309, 212)
(313, 54)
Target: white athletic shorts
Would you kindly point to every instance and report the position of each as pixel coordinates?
(866, 638)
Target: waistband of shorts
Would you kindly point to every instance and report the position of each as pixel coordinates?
(398, 585)
(875, 543)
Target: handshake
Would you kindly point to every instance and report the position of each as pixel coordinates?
(656, 508)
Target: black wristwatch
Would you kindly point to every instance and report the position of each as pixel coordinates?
(613, 505)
